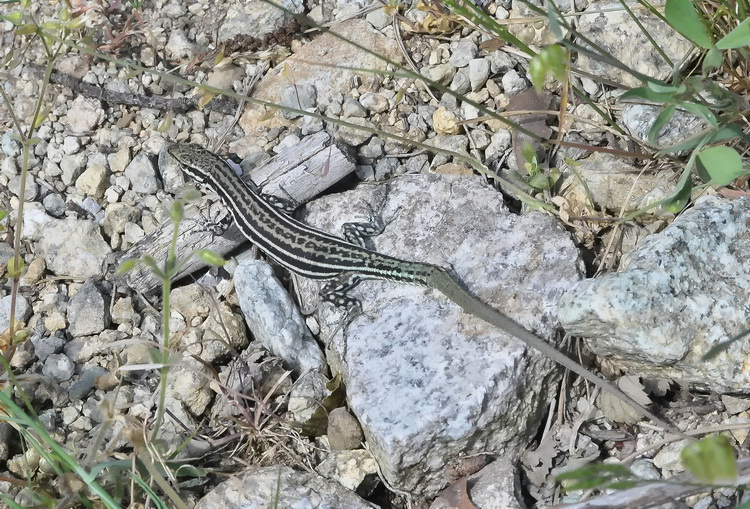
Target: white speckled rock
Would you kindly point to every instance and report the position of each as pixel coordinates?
(427, 381)
(261, 488)
(680, 293)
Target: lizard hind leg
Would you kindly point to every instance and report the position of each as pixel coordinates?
(336, 290)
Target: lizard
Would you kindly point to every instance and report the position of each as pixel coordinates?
(316, 254)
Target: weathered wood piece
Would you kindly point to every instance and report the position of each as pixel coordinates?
(297, 174)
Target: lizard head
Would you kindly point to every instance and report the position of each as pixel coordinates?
(192, 159)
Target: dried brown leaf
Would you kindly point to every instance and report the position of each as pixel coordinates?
(617, 410)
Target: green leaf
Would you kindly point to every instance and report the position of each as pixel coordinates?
(177, 211)
(648, 94)
(663, 88)
(151, 263)
(725, 133)
(737, 38)
(51, 25)
(42, 116)
(166, 124)
(127, 266)
(712, 60)
(14, 17)
(681, 195)
(26, 29)
(684, 17)
(20, 336)
(722, 164)
(550, 60)
(15, 266)
(710, 459)
(528, 152)
(662, 119)
(596, 476)
(210, 257)
(701, 111)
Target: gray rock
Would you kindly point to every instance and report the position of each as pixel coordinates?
(10, 146)
(59, 367)
(378, 18)
(440, 73)
(310, 125)
(8, 167)
(6, 253)
(375, 103)
(173, 10)
(344, 432)
(223, 76)
(274, 319)
(461, 83)
(612, 183)
(639, 118)
(6, 434)
(74, 248)
(356, 470)
(85, 382)
(669, 458)
(385, 168)
(71, 167)
(179, 46)
(256, 18)
(457, 143)
(191, 300)
(500, 143)
(84, 114)
(22, 311)
(513, 83)
(258, 487)
(45, 346)
(645, 469)
(462, 52)
(88, 311)
(681, 292)
(413, 361)
(494, 487)
(122, 310)
(417, 164)
(479, 139)
(92, 207)
(35, 221)
(118, 215)
(307, 394)
(189, 383)
(24, 356)
(83, 349)
(352, 108)
(309, 65)
(222, 333)
(355, 137)
(54, 204)
(31, 187)
(615, 31)
(373, 150)
(142, 175)
(300, 97)
(479, 71)
(500, 62)
(71, 144)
